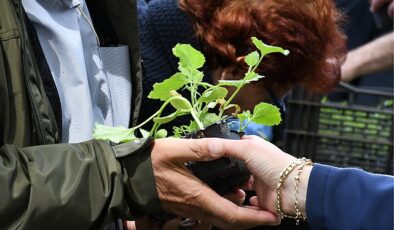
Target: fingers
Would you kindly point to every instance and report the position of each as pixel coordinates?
(237, 197)
(199, 226)
(145, 223)
(391, 10)
(248, 148)
(254, 201)
(248, 186)
(185, 224)
(131, 225)
(183, 150)
(225, 214)
(377, 4)
(251, 137)
(172, 224)
(206, 149)
(200, 202)
(216, 210)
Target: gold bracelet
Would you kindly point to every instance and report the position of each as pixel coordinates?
(282, 178)
(297, 180)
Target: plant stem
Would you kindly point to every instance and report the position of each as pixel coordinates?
(147, 120)
(232, 96)
(240, 86)
(244, 126)
(199, 123)
(206, 84)
(192, 88)
(158, 113)
(154, 129)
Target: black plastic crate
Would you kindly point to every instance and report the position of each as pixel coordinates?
(346, 132)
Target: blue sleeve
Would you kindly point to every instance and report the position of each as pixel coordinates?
(349, 199)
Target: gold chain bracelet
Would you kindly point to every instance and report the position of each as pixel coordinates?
(286, 172)
(297, 181)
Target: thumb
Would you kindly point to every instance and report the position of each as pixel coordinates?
(183, 150)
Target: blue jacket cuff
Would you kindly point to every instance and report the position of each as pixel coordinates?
(316, 194)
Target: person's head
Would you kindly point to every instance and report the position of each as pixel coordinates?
(308, 28)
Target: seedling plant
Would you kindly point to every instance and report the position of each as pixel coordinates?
(208, 103)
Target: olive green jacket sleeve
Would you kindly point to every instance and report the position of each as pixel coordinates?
(75, 186)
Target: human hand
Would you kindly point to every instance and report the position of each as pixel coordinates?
(184, 195)
(377, 4)
(266, 162)
(178, 223)
(147, 223)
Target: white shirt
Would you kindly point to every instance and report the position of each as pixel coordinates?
(93, 83)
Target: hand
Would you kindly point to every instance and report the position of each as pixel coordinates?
(184, 195)
(266, 162)
(377, 4)
(148, 223)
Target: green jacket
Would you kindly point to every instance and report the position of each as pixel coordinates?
(47, 185)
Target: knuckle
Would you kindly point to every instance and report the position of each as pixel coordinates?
(197, 148)
(206, 149)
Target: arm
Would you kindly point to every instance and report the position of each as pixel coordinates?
(349, 199)
(78, 186)
(330, 197)
(84, 186)
(372, 57)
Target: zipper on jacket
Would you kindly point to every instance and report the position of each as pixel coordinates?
(36, 116)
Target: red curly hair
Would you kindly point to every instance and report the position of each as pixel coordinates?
(308, 28)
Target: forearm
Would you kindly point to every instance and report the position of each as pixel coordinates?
(69, 184)
(372, 57)
(82, 186)
(349, 199)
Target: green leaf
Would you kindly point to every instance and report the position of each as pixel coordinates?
(267, 49)
(180, 103)
(114, 134)
(252, 76)
(209, 119)
(266, 114)
(234, 83)
(211, 105)
(245, 115)
(144, 133)
(193, 75)
(197, 76)
(189, 57)
(177, 131)
(162, 90)
(252, 59)
(162, 133)
(166, 119)
(212, 94)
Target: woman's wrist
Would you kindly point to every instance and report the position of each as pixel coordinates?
(288, 191)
